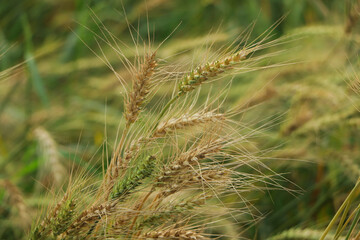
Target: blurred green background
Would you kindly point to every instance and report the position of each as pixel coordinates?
(307, 113)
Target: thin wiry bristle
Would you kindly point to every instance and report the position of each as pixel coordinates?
(262, 96)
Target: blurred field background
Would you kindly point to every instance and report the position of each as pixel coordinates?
(54, 107)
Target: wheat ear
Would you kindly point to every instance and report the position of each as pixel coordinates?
(186, 120)
(87, 219)
(57, 221)
(133, 179)
(141, 88)
(174, 234)
(51, 155)
(211, 69)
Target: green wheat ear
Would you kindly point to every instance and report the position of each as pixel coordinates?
(125, 186)
(210, 69)
(64, 218)
(57, 222)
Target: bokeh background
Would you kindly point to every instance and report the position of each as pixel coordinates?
(57, 96)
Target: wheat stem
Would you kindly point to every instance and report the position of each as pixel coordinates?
(353, 224)
(347, 201)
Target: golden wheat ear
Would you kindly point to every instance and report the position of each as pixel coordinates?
(186, 121)
(174, 234)
(142, 85)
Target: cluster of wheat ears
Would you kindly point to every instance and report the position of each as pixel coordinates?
(173, 171)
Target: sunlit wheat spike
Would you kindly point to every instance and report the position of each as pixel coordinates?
(88, 218)
(211, 69)
(183, 162)
(141, 88)
(187, 120)
(206, 178)
(174, 234)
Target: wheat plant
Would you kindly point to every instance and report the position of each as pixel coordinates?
(170, 164)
